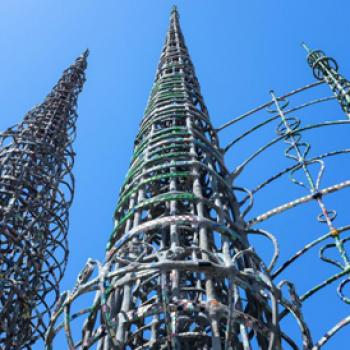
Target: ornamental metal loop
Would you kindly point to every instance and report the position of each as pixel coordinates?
(36, 191)
(298, 150)
(179, 271)
(326, 216)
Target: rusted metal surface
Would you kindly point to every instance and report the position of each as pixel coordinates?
(36, 190)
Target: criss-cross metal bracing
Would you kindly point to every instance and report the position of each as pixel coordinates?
(36, 188)
(179, 270)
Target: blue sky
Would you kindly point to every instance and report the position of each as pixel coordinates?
(241, 50)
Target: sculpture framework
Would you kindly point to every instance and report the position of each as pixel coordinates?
(36, 191)
(180, 272)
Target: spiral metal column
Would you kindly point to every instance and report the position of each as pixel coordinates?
(326, 68)
(179, 271)
(36, 189)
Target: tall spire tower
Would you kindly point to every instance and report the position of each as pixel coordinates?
(36, 188)
(179, 271)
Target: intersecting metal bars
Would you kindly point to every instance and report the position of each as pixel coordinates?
(36, 189)
(179, 270)
(290, 130)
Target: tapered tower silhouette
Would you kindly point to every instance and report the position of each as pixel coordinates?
(179, 270)
(36, 189)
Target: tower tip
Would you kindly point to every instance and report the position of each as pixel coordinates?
(85, 53)
(174, 10)
(307, 49)
(81, 61)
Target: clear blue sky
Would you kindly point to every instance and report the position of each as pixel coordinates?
(241, 49)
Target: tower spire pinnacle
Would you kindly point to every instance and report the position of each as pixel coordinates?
(306, 47)
(175, 61)
(325, 69)
(86, 53)
(174, 11)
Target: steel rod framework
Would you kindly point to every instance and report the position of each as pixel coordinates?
(325, 69)
(36, 190)
(179, 270)
(307, 172)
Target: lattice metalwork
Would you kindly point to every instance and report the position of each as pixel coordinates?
(305, 171)
(179, 270)
(36, 190)
(326, 69)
